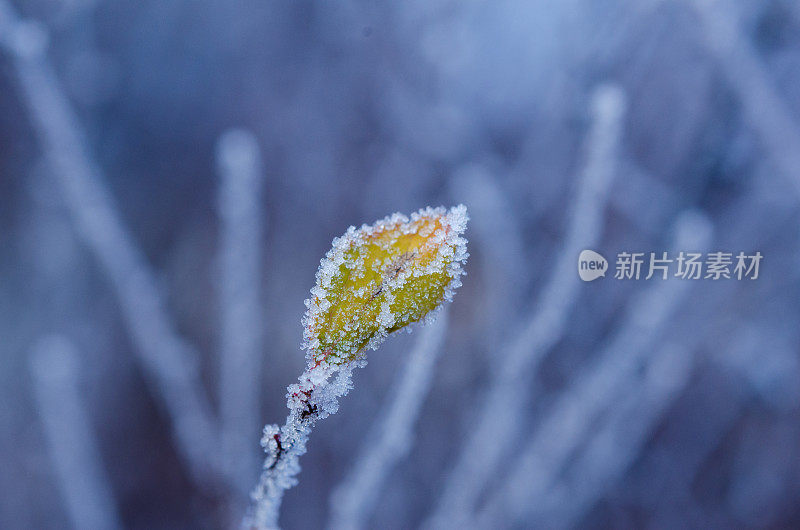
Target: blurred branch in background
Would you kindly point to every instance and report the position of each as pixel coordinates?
(569, 419)
(497, 422)
(391, 438)
(632, 413)
(503, 252)
(620, 438)
(685, 445)
(748, 359)
(168, 362)
(367, 108)
(76, 457)
(242, 313)
(764, 108)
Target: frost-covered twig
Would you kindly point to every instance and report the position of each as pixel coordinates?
(620, 439)
(630, 419)
(70, 438)
(764, 108)
(314, 398)
(168, 362)
(375, 280)
(570, 417)
(690, 439)
(496, 421)
(242, 312)
(391, 439)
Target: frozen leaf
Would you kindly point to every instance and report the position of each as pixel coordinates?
(381, 278)
(374, 280)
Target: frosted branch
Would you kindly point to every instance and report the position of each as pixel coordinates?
(391, 439)
(689, 440)
(631, 418)
(375, 280)
(764, 108)
(569, 419)
(169, 363)
(73, 447)
(622, 436)
(614, 446)
(496, 422)
(314, 398)
(242, 313)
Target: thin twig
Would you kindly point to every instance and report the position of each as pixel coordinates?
(391, 439)
(73, 447)
(169, 363)
(313, 399)
(630, 416)
(570, 417)
(242, 312)
(619, 440)
(764, 108)
(496, 423)
(616, 444)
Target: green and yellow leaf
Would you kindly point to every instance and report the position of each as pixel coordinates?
(381, 278)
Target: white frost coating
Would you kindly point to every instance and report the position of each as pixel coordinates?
(169, 363)
(496, 422)
(569, 419)
(314, 396)
(285, 445)
(71, 441)
(353, 500)
(241, 310)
